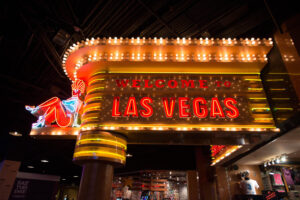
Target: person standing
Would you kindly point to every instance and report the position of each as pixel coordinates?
(248, 185)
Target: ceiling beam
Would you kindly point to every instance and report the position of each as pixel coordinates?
(94, 19)
(159, 19)
(46, 43)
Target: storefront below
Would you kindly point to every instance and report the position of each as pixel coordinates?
(151, 184)
(275, 167)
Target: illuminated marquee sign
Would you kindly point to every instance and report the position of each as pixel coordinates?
(156, 84)
(174, 100)
(199, 104)
(147, 85)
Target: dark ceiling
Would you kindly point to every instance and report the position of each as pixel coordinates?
(34, 35)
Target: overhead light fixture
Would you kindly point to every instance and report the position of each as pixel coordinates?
(15, 133)
(75, 176)
(61, 37)
(277, 160)
(128, 155)
(30, 166)
(63, 179)
(283, 158)
(273, 162)
(44, 161)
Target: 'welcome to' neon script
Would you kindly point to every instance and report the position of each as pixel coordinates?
(161, 83)
(187, 107)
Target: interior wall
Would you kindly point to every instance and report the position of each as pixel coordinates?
(222, 183)
(234, 178)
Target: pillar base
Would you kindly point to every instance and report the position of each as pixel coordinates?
(96, 181)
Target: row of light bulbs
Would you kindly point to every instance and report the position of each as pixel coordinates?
(160, 128)
(228, 153)
(174, 57)
(274, 161)
(58, 133)
(181, 57)
(76, 132)
(166, 41)
(289, 58)
(172, 41)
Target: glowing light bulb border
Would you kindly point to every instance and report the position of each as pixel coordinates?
(156, 56)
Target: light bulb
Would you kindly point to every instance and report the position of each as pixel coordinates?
(283, 158)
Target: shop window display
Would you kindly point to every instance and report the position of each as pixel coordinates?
(276, 181)
(285, 181)
(150, 185)
(292, 178)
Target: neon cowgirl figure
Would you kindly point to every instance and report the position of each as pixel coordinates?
(64, 113)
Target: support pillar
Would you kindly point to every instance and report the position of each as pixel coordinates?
(193, 186)
(97, 149)
(222, 183)
(96, 181)
(207, 187)
(98, 152)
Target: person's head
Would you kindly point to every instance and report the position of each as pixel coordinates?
(247, 175)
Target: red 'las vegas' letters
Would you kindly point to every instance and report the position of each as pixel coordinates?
(199, 105)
